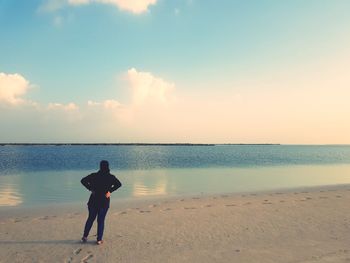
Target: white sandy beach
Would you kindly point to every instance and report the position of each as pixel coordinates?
(311, 225)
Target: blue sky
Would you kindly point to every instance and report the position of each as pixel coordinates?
(209, 52)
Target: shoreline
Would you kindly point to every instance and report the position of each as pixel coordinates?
(126, 203)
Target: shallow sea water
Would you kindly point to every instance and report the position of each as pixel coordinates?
(45, 175)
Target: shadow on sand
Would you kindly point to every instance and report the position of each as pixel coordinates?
(44, 242)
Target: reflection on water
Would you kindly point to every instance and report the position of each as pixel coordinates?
(146, 184)
(49, 187)
(154, 190)
(10, 197)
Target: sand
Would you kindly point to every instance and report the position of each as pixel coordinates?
(311, 225)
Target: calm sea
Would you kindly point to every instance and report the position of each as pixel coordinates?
(45, 175)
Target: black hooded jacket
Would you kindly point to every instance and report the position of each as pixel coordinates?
(99, 184)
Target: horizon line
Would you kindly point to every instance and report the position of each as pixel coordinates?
(156, 144)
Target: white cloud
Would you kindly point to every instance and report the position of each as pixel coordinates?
(78, 2)
(12, 88)
(111, 104)
(93, 103)
(150, 96)
(133, 6)
(107, 104)
(65, 107)
(147, 88)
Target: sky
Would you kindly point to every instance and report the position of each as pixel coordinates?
(163, 71)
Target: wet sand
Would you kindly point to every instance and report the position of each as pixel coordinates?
(304, 225)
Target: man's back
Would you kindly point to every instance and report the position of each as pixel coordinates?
(99, 184)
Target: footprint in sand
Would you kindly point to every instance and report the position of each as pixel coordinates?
(231, 205)
(267, 203)
(282, 201)
(152, 206)
(338, 196)
(335, 256)
(121, 213)
(208, 206)
(308, 198)
(77, 251)
(248, 203)
(189, 208)
(145, 211)
(87, 258)
(195, 198)
(323, 197)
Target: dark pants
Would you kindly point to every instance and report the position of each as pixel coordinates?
(101, 214)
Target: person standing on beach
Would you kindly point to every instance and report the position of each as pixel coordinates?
(101, 185)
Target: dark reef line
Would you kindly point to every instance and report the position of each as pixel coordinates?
(127, 144)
